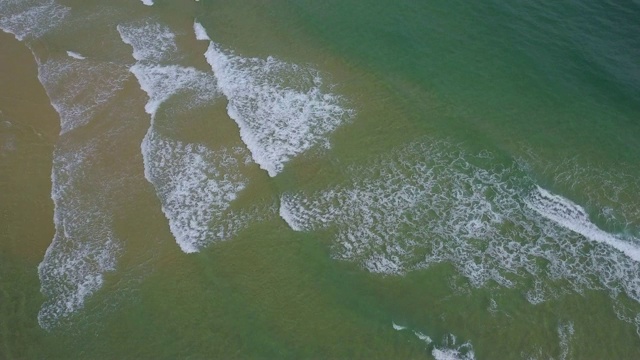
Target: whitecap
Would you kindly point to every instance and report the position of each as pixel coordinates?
(451, 351)
(196, 185)
(426, 338)
(75, 55)
(150, 41)
(572, 216)
(397, 327)
(201, 32)
(282, 109)
(429, 202)
(160, 82)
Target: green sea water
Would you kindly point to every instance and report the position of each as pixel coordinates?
(460, 112)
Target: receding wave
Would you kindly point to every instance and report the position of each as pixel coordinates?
(282, 109)
(430, 203)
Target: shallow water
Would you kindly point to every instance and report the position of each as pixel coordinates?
(336, 179)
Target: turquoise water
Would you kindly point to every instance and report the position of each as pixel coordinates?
(336, 179)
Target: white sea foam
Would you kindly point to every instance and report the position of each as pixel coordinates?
(453, 354)
(398, 327)
(449, 350)
(147, 2)
(150, 40)
(30, 19)
(75, 55)
(8, 144)
(430, 202)
(196, 185)
(201, 32)
(83, 247)
(78, 89)
(160, 82)
(612, 191)
(153, 44)
(282, 109)
(565, 333)
(573, 217)
(426, 338)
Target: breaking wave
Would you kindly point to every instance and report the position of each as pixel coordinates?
(430, 203)
(195, 184)
(282, 109)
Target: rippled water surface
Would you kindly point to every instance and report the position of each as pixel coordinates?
(336, 179)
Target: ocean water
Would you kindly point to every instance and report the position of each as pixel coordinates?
(303, 179)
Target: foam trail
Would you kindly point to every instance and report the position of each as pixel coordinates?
(573, 217)
(608, 190)
(282, 109)
(429, 202)
(196, 185)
